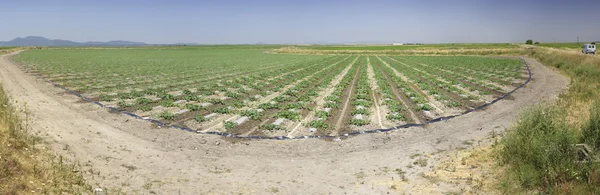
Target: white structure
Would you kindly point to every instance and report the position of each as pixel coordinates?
(397, 43)
(588, 48)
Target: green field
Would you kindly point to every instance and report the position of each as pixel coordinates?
(244, 90)
(409, 47)
(562, 45)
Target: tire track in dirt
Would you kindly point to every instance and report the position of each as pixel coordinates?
(400, 97)
(466, 75)
(374, 89)
(445, 81)
(414, 87)
(465, 104)
(271, 96)
(322, 95)
(344, 112)
(179, 121)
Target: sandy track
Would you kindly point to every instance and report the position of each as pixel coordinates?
(130, 154)
(374, 90)
(343, 114)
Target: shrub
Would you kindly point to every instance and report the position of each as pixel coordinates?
(360, 111)
(286, 114)
(359, 122)
(123, 104)
(193, 107)
(529, 42)
(591, 130)
(200, 118)
(252, 114)
(167, 103)
(319, 124)
(145, 108)
(167, 115)
(143, 101)
(538, 150)
(322, 114)
(166, 96)
(268, 106)
(106, 98)
(270, 127)
(229, 125)
(331, 105)
(222, 110)
(396, 117)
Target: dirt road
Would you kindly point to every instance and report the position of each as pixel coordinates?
(120, 152)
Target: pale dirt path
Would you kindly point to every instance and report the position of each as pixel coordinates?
(340, 121)
(487, 98)
(262, 100)
(374, 89)
(169, 161)
(322, 95)
(434, 103)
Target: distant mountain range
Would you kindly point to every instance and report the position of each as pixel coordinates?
(42, 41)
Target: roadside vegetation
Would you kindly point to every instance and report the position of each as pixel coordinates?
(409, 47)
(539, 150)
(562, 45)
(26, 166)
(4, 50)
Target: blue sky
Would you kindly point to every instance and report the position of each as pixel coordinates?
(307, 21)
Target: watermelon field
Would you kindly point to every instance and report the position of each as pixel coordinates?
(250, 92)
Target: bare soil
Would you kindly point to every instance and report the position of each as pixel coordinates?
(119, 152)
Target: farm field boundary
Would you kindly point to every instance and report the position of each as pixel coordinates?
(229, 135)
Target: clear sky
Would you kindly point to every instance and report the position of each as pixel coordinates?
(306, 21)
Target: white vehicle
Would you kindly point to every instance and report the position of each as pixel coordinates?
(588, 48)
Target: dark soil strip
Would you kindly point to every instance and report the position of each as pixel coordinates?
(204, 81)
(344, 114)
(494, 93)
(410, 112)
(465, 104)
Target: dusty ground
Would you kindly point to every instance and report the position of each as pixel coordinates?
(120, 152)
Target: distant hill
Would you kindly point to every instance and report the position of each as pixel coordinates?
(42, 41)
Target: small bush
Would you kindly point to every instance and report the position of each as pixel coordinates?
(395, 117)
(200, 118)
(359, 122)
(166, 96)
(229, 125)
(222, 110)
(322, 114)
(331, 105)
(252, 114)
(591, 130)
(360, 111)
(270, 127)
(286, 114)
(193, 107)
(123, 104)
(167, 115)
(539, 149)
(145, 108)
(319, 124)
(143, 101)
(167, 103)
(106, 98)
(529, 42)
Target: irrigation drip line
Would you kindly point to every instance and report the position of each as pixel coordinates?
(229, 135)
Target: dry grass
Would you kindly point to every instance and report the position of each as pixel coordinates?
(26, 166)
(416, 51)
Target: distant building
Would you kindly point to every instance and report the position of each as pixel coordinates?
(397, 43)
